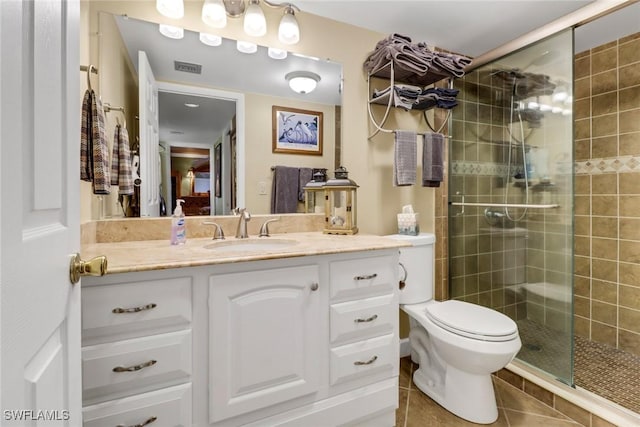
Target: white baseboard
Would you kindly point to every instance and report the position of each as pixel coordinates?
(405, 347)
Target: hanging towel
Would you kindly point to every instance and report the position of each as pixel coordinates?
(304, 176)
(405, 158)
(284, 193)
(432, 160)
(94, 152)
(121, 162)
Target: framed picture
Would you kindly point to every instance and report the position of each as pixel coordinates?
(217, 160)
(296, 131)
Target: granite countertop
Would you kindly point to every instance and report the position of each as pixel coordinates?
(146, 255)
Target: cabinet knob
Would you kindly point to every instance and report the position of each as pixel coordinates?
(314, 286)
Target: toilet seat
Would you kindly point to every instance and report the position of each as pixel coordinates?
(472, 321)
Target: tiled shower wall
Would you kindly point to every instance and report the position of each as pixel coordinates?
(607, 187)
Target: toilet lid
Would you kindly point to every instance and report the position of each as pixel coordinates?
(472, 321)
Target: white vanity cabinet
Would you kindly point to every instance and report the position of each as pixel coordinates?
(300, 341)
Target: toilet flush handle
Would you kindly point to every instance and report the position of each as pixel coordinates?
(402, 282)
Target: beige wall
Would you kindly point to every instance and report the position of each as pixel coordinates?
(369, 162)
(258, 145)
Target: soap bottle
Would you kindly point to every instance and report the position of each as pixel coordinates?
(178, 227)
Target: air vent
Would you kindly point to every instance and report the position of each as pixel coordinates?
(188, 67)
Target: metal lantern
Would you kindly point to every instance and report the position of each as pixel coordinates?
(340, 204)
(314, 192)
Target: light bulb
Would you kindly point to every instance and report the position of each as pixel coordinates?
(276, 53)
(171, 31)
(214, 13)
(254, 22)
(170, 8)
(288, 31)
(246, 47)
(210, 39)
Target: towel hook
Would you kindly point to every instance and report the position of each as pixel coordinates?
(89, 70)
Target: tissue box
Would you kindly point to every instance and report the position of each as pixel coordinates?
(408, 224)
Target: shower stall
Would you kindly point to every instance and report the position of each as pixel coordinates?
(514, 220)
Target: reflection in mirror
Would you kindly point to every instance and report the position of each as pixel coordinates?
(235, 93)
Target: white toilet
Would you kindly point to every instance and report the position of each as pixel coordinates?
(457, 344)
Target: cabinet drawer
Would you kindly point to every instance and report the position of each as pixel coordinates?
(133, 309)
(130, 366)
(169, 407)
(366, 318)
(364, 358)
(363, 277)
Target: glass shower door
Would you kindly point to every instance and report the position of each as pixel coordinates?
(511, 197)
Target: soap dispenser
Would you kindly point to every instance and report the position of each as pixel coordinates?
(178, 227)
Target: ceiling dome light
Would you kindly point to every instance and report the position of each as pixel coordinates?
(210, 39)
(255, 23)
(170, 8)
(246, 47)
(171, 31)
(302, 81)
(288, 31)
(214, 13)
(276, 53)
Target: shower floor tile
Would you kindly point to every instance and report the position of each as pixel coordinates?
(608, 372)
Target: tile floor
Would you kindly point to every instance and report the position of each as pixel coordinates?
(516, 408)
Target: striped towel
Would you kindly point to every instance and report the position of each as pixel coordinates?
(405, 158)
(94, 153)
(121, 161)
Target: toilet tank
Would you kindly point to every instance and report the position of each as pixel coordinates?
(417, 263)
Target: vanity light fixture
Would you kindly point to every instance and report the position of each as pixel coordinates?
(171, 31)
(170, 8)
(255, 23)
(210, 39)
(302, 81)
(215, 12)
(246, 47)
(276, 53)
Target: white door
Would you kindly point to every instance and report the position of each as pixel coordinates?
(264, 345)
(39, 212)
(149, 139)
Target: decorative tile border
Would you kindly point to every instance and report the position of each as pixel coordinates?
(610, 165)
(480, 168)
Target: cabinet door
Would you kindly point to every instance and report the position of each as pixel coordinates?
(265, 338)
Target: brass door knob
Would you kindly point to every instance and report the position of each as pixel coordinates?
(94, 267)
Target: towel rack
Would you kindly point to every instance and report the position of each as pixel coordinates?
(391, 74)
(505, 205)
(89, 69)
(107, 108)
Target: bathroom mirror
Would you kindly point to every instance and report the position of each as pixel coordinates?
(215, 98)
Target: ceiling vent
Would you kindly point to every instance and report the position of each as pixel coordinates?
(188, 67)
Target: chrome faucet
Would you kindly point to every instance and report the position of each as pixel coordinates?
(245, 216)
(218, 234)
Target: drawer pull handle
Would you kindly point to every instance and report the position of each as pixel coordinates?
(119, 310)
(366, 276)
(149, 421)
(134, 367)
(368, 362)
(367, 320)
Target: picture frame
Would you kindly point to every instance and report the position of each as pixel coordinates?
(297, 131)
(217, 160)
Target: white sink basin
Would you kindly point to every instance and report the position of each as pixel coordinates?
(251, 245)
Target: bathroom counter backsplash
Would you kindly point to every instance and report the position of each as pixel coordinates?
(146, 255)
(135, 229)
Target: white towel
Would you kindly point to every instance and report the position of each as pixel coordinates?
(405, 158)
